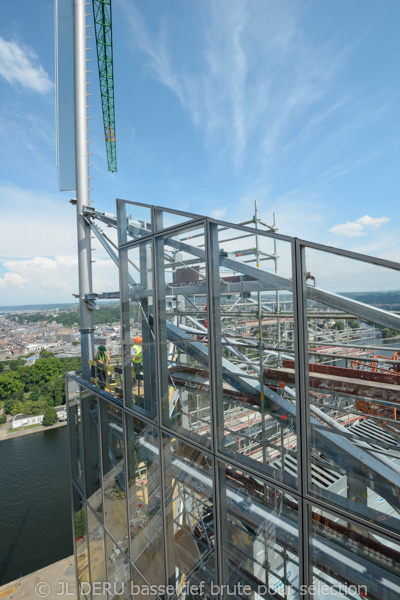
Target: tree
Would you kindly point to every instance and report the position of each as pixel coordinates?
(45, 369)
(8, 404)
(46, 354)
(339, 325)
(28, 404)
(50, 416)
(17, 408)
(3, 418)
(80, 523)
(10, 384)
(354, 324)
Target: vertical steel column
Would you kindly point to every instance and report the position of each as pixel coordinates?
(302, 409)
(217, 401)
(82, 185)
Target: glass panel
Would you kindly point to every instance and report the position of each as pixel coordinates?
(189, 516)
(138, 330)
(254, 344)
(134, 221)
(144, 499)
(164, 219)
(92, 451)
(354, 385)
(139, 588)
(81, 549)
(97, 555)
(118, 571)
(75, 433)
(113, 473)
(182, 288)
(260, 537)
(351, 561)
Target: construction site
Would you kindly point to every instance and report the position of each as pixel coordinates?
(245, 443)
(261, 396)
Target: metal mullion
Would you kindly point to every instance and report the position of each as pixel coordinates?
(102, 486)
(158, 269)
(125, 438)
(278, 485)
(382, 262)
(302, 403)
(182, 228)
(84, 489)
(262, 232)
(354, 518)
(161, 208)
(72, 486)
(168, 231)
(180, 213)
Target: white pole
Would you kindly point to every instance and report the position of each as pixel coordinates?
(82, 185)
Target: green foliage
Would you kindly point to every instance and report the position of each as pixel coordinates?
(387, 333)
(45, 369)
(354, 324)
(28, 406)
(10, 384)
(8, 404)
(50, 416)
(339, 325)
(46, 354)
(80, 523)
(3, 418)
(1, 366)
(17, 408)
(37, 386)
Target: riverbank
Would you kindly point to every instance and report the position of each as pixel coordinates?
(51, 581)
(7, 433)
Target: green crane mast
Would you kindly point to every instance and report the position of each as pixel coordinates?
(103, 31)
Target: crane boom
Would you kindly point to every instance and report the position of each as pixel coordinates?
(103, 30)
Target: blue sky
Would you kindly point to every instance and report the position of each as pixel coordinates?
(219, 103)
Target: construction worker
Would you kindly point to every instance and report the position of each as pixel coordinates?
(137, 354)
(101, 359)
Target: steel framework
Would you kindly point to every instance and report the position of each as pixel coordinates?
(102, 15)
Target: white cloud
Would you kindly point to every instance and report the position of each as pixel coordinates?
(51, 279)
(35, 223)
(12, 280)
(253, 79)
(20, 64)
(357, 228)
(374, 222)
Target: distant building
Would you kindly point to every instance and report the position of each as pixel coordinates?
(21, 420)
(61, 412)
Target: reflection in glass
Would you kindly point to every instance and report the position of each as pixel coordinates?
(354, 385)
(80, 534)
(144, 500)
(183, 333)
(113, 474)
(75, 433)
(352, 561)
(96, 553)
(260, 538)
(253, 337)
(90, 410)
(189, 515)
(118, 570)
(138, 330)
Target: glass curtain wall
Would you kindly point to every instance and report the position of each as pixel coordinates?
(255, 452)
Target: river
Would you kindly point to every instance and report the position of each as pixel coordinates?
(35, 505)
